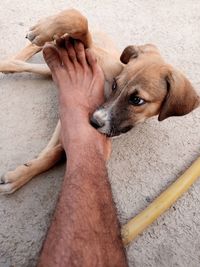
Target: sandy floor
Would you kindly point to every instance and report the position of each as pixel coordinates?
(144, 161)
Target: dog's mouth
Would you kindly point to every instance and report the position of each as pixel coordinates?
(112, 131)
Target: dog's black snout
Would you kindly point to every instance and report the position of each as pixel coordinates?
(96, 123)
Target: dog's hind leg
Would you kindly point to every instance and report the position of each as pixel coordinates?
(13, 180)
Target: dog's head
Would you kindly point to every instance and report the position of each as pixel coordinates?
(146, 86)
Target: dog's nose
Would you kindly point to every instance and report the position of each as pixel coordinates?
(96, 122)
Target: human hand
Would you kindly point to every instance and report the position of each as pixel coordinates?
(81, 90)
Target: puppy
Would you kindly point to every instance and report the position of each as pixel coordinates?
(139, 85)
(146, 86)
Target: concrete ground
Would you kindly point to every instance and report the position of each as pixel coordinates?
(144, 162)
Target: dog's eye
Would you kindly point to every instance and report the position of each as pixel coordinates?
(136, 100)
(114, 85)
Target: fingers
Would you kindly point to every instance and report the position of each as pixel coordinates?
(91, 59)
(71, 56)
(66, 59)
(52, 57)
(60, 42)
(75, 49)
(71, 52)
(67, 54)
(80, 52)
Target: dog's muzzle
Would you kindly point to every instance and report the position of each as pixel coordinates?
(96, 122)
(101, 120)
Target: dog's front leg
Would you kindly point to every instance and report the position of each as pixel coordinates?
(14, 66)
(70, 22)
(54, 141)
(17, 62)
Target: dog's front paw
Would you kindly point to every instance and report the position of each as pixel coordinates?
(44, 31)
(69, 21)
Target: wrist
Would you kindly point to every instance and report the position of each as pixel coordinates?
(77, 133)
(73, 115)
(81, 137)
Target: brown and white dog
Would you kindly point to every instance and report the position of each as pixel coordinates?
(140, 85)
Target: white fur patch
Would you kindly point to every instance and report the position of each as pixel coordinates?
(103, 115)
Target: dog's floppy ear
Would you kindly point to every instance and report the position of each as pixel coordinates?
(133, 51)
(180, 99)
(130, 51)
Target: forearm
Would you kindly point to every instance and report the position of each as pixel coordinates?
(85, 231)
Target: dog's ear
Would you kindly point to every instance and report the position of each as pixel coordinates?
(130, 51)
(181, 97)
(133, 51)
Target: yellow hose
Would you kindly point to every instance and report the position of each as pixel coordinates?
(141, 221)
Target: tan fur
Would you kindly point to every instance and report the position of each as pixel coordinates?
(144, 68)
(167, 91)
